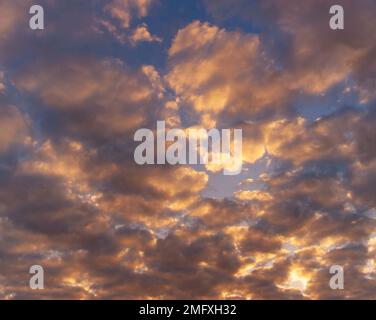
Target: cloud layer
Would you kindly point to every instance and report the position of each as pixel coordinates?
(73, 200)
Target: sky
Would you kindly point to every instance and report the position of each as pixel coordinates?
(73, 200)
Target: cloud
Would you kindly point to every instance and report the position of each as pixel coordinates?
(12, 13)
(122, 10)
(122, 14)
(90, 94)
(142, 34)
(15, 128)
(317, 57)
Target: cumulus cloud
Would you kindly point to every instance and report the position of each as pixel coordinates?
(122, 10)
(122, 14)
(92, 94)
(15, 128)
(142, 34)
(317, 57)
